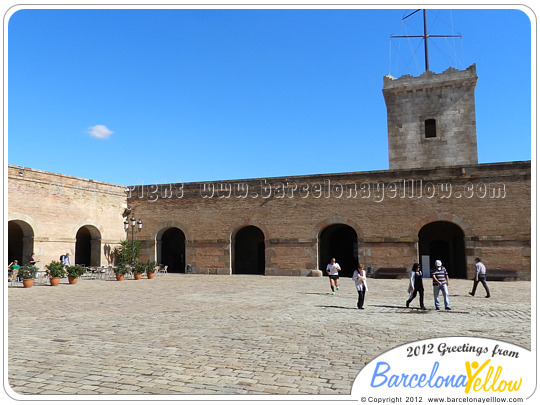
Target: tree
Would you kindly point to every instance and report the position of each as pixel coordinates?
(124, 252)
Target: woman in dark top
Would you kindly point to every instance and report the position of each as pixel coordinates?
(415, 285)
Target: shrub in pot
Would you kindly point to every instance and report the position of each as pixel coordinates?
(120, 270)
(150, 267)
(27, 274)
(55, 270)
(74, 272)
(138, 270)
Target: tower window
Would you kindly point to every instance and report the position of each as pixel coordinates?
(430, 128)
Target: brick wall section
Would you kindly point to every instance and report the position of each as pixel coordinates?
(54, 207)
(497, 229)
(448, 98)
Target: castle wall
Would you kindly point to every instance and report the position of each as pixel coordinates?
(51, 208)
(490, 204)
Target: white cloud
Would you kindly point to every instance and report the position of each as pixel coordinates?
(100, 131)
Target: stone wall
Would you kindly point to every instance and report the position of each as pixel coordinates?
(489, 203)
(448, 100)
(49, 209)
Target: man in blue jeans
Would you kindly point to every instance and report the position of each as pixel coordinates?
(440, 283)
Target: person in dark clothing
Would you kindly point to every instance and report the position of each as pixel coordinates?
(416, 286)
(480, 277)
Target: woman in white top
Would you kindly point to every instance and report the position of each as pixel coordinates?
(360, 281)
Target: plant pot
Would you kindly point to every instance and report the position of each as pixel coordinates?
(54, 281)
(72, 280)
(137, 276)
(119, 277)
(150, 275)
(28, 282)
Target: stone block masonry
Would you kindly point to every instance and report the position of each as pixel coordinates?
(489, 203)
(447, 99)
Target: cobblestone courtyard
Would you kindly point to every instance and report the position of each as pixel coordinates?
(200, 334)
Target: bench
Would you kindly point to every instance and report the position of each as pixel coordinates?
(501, 275)
(391, 272)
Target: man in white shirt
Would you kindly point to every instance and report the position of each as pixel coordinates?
(333, 270)
(480, 276)
(66, 261)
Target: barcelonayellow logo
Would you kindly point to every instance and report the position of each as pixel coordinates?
(456, 366)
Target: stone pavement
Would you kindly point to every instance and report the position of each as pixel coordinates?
(202, 334)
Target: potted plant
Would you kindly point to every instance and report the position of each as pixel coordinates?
(150, 268)
(138, 270)
(55, 270)
(74, 272)
(120, 270)
(27, 274)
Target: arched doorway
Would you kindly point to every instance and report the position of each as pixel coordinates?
(20, 241)
(248, 251)
(339, 241)
(444, 241)
(88, 246)
(172, 252)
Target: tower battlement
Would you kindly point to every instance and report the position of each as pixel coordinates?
(431, 119)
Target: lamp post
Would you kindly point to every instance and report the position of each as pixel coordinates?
(133, 223)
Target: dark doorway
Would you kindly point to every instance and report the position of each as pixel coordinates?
(173, 250)
(339, 241)
(249, 251)
(87, 246)
(444, 241)
(20, 242)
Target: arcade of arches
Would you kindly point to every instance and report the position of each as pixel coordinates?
(439, 240)
(291, 236)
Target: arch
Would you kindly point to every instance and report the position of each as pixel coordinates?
(445, 241)
(315, 233)
(88, 246)
(164, 226)
(248, 251)
(171, 249)
(95, 228)
(20, 241)
(237, 225)
(441, 216)
(339, 241)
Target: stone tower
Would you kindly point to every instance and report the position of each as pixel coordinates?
(431, 119)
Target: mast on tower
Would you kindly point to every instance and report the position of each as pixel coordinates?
(426, 36)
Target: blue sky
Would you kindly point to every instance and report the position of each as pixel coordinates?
(159, 96)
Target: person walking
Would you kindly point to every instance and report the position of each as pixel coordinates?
(333, 270)
(360, 281)
(440, 283)
(66, 260)
(480, 277)
(416, 286)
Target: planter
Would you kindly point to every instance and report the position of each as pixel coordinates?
(28, 282)
(72, 280)
(137, 276)
(150, 275)
(119, 277)
(54, 281)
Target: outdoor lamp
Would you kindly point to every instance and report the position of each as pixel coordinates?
(139, 224)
